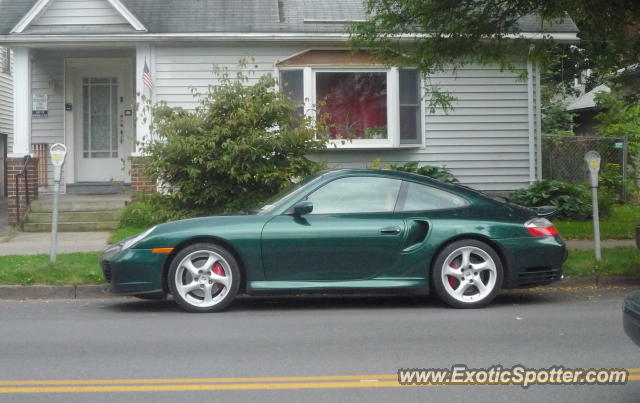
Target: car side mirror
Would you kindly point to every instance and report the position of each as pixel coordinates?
(302, 208)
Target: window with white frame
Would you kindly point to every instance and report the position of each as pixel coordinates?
(5, 60)
(369, 107)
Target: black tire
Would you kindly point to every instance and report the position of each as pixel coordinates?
(188, 302)
(443, 285)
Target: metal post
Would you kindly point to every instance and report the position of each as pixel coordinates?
(58, 153)
(592, 158)
(624, 168)
(54, 221)
(596, 222)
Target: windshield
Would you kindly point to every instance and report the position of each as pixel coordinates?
(287, 195)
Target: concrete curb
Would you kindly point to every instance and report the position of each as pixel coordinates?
(55, 291)
(598, 281)
(104, 291)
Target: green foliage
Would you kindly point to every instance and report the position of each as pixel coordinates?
(619, 118)
(442, 34)
(613, 182)
(439, 173)
(556, 120)
(619, 224)
(70, 269)
(572, 201)
(153, 209)
(621, 261)
(242, 145)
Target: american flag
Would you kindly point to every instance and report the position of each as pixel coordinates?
(146, 76)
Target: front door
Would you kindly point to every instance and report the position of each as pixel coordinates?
(103, 123)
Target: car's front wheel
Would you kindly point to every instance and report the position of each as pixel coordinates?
(204, 278)
(467, 274)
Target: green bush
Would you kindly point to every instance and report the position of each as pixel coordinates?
(613, 182)
(151, 210)
(572, 201)
(439, 173)
(242, 145)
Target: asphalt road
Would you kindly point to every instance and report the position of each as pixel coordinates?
(99, 341)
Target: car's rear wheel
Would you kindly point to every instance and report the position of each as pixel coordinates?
(204, 278)
(467, 274)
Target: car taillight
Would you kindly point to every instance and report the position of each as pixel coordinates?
(540, 227)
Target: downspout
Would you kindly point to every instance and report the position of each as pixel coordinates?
(531, 116)
(538, 124)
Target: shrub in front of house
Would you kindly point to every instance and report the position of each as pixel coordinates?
(243, 144)
(152, 209)
(572, 201)
(439, 173)
(443, 174)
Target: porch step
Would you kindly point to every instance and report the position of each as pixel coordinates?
(76, 213)
(71, 226)
(77, 205)
(75, 216)
(97, 188)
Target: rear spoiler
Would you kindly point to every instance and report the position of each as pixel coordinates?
(545, 211)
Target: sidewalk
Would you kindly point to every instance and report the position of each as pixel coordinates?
(605, 243)
(33, 243)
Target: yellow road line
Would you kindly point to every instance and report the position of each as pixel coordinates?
(181, 388)
(199, 380)
(208, 384)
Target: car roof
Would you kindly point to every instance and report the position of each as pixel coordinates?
(382, 172)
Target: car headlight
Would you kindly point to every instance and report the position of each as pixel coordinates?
(135, 239)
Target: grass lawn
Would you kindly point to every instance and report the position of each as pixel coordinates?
(70, 269)
(125, 232)
(624, 261)
(620, 224)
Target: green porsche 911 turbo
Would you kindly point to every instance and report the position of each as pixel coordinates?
(345, 230)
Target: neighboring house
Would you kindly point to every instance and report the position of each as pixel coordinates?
(585, 110)
(82, 63)
(6, 113)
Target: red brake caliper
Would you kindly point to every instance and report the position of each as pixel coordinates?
(218, 270)
(452, 280)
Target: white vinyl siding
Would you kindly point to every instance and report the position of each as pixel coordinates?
(80, 12)
(6, 101)
(179, 70)
(47, 77)
(484, 140)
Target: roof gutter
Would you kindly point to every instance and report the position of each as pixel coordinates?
(17, 39)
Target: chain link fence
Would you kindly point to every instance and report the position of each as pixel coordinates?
(563, 157)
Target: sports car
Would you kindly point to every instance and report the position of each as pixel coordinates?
(346, 230)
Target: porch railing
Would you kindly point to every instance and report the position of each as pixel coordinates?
(24, 174)
(41, 152)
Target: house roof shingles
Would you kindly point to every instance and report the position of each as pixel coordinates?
(265, 16)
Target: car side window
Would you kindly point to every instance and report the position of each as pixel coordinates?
(421, 197)
(356, 194)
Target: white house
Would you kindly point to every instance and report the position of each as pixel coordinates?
(79, 68)
(6, 112)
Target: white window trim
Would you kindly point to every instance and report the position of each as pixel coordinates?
(393, 106)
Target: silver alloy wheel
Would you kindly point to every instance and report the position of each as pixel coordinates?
(203, 278)
(469, 274)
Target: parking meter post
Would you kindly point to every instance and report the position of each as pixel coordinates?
(596, 222)
(54, 221)
(592, 158)
(58, 152)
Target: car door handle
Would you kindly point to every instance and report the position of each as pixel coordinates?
(390, 231)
